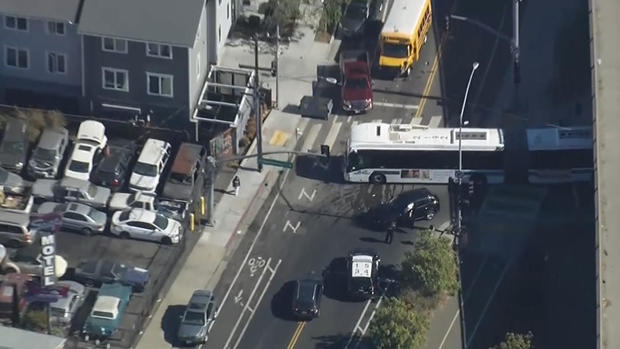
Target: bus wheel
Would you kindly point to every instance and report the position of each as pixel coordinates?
(377, 178)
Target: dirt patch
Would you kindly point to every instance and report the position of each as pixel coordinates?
(322, 36)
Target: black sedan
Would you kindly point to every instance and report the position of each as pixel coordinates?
(95, 273)
(113, 170)
(307, 299)
(405, 209)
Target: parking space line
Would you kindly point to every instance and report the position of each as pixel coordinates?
(443, 340)
(312, 135)
(396, 105)
(333, 134)
(260, 298)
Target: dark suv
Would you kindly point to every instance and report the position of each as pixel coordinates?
(112, 171)
(405, 209)
(354, 19)
(186, 177)
(307, 299)
(14, 146)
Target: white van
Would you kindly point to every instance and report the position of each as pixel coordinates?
(150, 165)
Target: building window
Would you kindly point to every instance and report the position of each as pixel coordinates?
(16, 23)
(157, 50)
(115, 79)
(114, 45)
(56, 63)
(159, 84)
(57, 28)
(16, 57)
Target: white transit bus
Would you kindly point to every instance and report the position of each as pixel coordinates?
(560, 155)
(390, 153)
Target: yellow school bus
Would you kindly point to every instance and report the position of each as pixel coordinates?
(403, 35)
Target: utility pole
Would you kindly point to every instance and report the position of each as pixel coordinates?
(259, 118)
(277, 66)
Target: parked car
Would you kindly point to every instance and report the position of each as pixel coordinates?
(356, 92)
(150, 165)
(96, 272)
(113, 170)
(49, 153)
(139, 223)
(64, 309)
(71, 189)
(16, 202)
(197, 318)
(13, 302)
(107, 312)
(408, 207)
(76, 216)
(355, 17)
(174, 209)
(15, 230)
(11, 182)
(14, 145)
(90, 142)
(187, 174)
(307, 298)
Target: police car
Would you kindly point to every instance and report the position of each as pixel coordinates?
(362, 270)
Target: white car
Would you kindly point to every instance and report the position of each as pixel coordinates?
(139, 223)
(91, 140)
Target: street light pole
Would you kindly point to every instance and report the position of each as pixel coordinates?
(259, 118)
(459, 176)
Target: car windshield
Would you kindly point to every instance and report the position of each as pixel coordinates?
(44, 154)
(79, 166)
(145, 169)
(58, 311)
(356, 83)
(194, 318)
(103, 314)
(13, 147)
(96, 215)
(92, 190)
(161, 221)
(395, 50)
(355, 11)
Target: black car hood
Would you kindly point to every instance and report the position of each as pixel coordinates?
(11, 159)
(352, 24)
(381, 216)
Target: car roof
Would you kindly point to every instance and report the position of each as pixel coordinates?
(15, 129)
(200, 300)
(75, 183)
(79, 208)
(305, 289)
(186, 157)
(83, 152)
(15, 218)
(106, 304)
(140, 214)
(51, 137)
(152, 150)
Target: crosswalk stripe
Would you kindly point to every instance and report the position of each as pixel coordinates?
(396, 121)
(311, 137)
(349, 118)
(416, 121)
(333, 133)
(354, 123)
(435, 121)
(377, 120)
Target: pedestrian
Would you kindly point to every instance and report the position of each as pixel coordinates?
(390, 233)
(236, 183)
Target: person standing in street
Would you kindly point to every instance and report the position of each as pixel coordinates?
(389, 236)
(236, 183)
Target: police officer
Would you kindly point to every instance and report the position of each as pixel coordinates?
(236, 183)
(390, 233)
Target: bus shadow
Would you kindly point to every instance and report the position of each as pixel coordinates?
(317, 167)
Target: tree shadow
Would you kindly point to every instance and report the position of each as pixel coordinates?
(170, 323)
(317, 167)
(335, 280)
(282, 301)
(371, 239)
(335, 341)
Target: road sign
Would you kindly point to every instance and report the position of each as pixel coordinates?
(277, 163)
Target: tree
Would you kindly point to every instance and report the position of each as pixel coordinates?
(516, 341)
(397, 326)
(431, 267)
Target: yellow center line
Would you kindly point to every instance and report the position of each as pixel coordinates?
(296, 334)
(429, 82)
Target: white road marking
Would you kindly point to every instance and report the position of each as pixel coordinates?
(443, 341)
(349, 118)
(247, 306)
(355, 123)
(303, 193)
(333, 134)
(435, 121)
(312, 134)
(293, 227)
(363, 330)
(377, 121)
(396, 105)
(260, 298)
(238, 297)
(396, 121)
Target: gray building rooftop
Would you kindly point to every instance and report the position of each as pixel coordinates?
(15, 338)
(59, 10)
(162, 21)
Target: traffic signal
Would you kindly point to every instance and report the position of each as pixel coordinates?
(325, 150)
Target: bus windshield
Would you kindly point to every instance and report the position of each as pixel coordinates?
(395, 50)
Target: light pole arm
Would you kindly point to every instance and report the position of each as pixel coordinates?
(483, 26)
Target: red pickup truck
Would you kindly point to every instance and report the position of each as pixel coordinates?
(356, 83)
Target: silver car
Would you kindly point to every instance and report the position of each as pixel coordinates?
(76, 216)
(64, 309)
(48, 154)
(197, 318)
(11, 182)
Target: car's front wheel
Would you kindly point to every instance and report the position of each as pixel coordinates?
(166, 240)
(87, 231)
(124, 235)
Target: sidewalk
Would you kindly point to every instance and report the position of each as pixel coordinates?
(233, 214)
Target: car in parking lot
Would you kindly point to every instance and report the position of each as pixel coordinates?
(197, 318)
(407, 208)
(11, 182)
(96, 272)
(49, 153)
(91, 140)
(107, 312)
(76, 216)
(150, 165)
(143, 224)
(307, 299)
(14, 145)
(64, 309)
(113, 170)
(71, 189)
